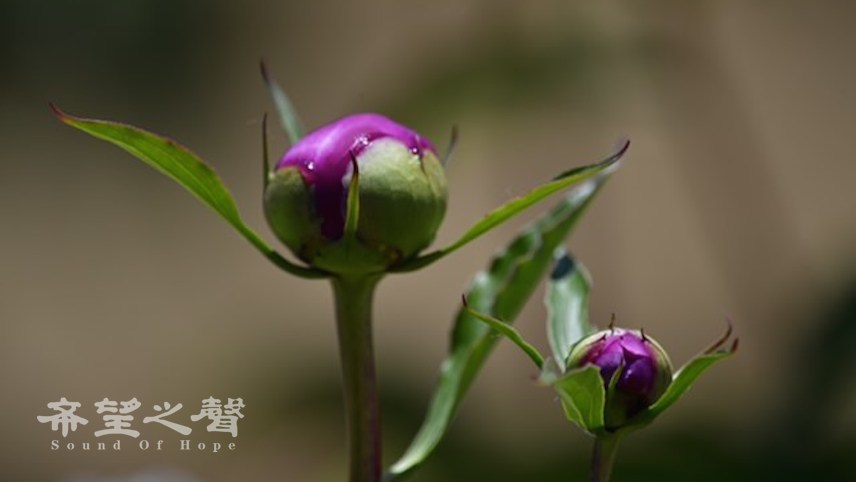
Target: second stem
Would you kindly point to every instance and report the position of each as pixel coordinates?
(362, 411)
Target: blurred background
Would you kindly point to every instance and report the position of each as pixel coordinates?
(737, 198)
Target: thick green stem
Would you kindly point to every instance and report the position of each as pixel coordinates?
(362, 411)
(602, 457)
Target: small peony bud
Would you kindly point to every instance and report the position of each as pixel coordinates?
(402, 195)
(645, 371)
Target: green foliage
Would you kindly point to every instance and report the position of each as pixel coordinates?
(509, 332)
(582, 390)
(583, 397)
(287, 113)
(684, 379)
(686, 376)
(188, 170)
(567, 306)
(500, 292)
(516, 206)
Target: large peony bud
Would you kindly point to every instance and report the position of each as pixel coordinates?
(402, 195)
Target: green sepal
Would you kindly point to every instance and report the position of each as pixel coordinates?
(583, 397)
(287, 113)
(450, 150)
(352, 211)
(187, 169)
(266, 172)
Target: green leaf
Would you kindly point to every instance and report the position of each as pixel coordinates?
(516, 206)
(185, 168)
(685, 378)
(583, 397)
(509, 332)
(287, 113)
(567, 305)
(501, 292)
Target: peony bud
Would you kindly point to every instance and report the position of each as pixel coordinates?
(402, 195)
(645, 371)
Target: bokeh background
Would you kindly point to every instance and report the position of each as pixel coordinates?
(737, 198)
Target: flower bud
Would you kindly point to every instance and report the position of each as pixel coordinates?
(402, 195)
(645, 371)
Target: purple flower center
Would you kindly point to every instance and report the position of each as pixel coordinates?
(624, 348)
(324, 160)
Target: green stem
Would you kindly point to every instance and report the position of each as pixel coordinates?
(362, 411)
(602, 457)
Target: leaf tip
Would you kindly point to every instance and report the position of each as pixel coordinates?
(612, 162)
(264, 70)
(624, 146)
(58, 112)
(724, 338)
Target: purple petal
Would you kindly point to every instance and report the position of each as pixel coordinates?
(638, 377)
(634, 346)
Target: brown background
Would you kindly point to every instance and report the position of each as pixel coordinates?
(737, 198)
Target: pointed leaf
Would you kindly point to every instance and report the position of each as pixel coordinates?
(685, 378)
(516, 206)
(501, 292)
(567, 305)
(583, 397)
(185, 168)
(287, 113)
(513, 335)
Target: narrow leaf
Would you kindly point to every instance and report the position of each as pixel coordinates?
(583, 397)
(188, 170)
(685, 378)
(501, 292)
(509, 332)
(516, 206)
(567, 305)
(287, 113)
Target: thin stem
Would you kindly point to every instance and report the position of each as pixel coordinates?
(602, 457)
(362, 411)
